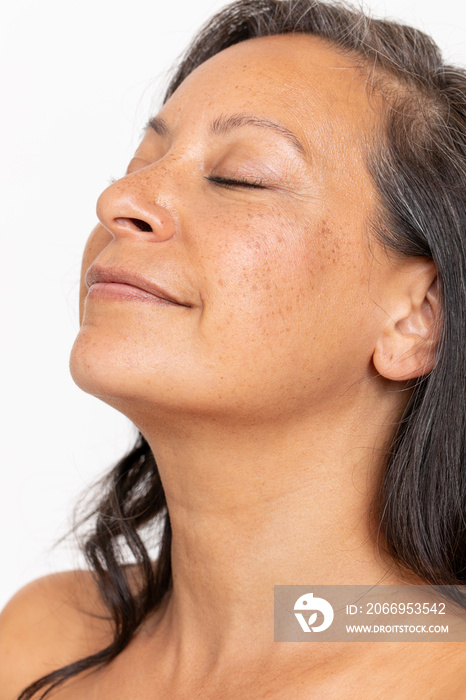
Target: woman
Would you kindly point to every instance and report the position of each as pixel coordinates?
(275, 295)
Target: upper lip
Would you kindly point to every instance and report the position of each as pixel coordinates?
(116, 275)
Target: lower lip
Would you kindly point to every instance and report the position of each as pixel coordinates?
(116, 290)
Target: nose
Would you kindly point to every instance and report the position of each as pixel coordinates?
(129, 208)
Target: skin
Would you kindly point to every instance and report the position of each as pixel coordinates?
(270, 396)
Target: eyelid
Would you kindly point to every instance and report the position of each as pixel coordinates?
(236, 182)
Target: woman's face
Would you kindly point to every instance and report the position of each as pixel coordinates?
(247, 203)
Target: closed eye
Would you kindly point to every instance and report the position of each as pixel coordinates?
(231, 182)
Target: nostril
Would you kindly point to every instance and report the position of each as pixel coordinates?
(130, 222)
(141, 225)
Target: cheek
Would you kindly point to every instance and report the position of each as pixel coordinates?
(289, 281)
(270, 261)
(97, 241)
(243, 265)
(259, 281)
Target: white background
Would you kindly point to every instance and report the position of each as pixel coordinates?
(78, 82)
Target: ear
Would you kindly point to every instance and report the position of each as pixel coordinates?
(407, 344)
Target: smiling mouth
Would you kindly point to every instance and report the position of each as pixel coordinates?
(120, 290)
(118, 284)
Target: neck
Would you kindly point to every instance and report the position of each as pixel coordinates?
(252, 506)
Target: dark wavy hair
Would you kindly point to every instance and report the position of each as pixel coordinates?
(418, 165)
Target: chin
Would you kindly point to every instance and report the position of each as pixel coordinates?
(96, 366)
(138, 375)
(126, 376)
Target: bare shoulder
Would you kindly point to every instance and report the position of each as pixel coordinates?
(49, 623)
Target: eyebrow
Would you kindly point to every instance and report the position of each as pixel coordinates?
(224, 124)
(158, 125)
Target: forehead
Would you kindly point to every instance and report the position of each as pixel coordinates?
(301, 80)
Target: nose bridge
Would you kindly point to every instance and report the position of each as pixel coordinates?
(142, 203)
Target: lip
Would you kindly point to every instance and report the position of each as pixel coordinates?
(127, 284)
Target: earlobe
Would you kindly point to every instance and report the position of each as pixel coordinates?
(407, 344)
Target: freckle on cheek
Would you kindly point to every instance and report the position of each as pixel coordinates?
(325, 230)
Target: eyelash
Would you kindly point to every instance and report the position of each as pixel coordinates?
(223, 181)
(231, 182)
